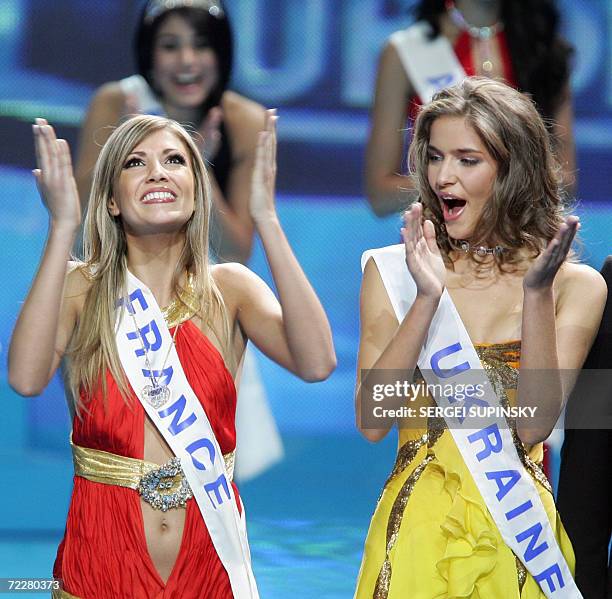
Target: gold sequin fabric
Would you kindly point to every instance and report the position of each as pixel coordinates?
(406, 454)
(381, 590)
(521, 573)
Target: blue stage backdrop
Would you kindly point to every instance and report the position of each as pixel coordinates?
(315, 60)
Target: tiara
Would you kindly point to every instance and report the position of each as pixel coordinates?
(157, 7)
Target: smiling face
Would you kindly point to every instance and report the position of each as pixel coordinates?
(185, 67)
(155, 189)
(461, 172)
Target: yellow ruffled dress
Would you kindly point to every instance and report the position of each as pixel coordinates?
(431, 535)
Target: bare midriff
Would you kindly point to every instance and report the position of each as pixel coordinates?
(163, 530)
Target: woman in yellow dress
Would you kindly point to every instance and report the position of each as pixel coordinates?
(490, 229)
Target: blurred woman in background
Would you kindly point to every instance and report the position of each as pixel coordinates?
(516, 41)
(184, 54)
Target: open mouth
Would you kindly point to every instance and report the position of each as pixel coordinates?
(158, 197)
(187, 79)
(452, 207)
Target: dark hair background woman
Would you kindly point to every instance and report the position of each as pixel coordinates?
(534, 43)
(526, 51)
(184, 54)
(215, 32)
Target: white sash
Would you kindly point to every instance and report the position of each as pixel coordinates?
(431, 64)
(448, 356)
(140, 94)
(186, 428)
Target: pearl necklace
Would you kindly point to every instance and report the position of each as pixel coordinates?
(483, 35)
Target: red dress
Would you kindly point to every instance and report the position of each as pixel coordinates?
(104, 554)
(463, 51)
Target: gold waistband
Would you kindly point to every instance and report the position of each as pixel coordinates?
(61, 594)
(112, 469)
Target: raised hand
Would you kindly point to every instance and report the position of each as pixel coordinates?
(210, 131)
(542, 272)
(54, 176)
(263, 182)
(423, 256)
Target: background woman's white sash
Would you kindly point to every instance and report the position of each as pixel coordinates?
(431, 64)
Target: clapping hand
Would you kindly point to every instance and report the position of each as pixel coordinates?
(423, 256)
(542, 272)
(263, 182)
(211, 133)
(54, 176)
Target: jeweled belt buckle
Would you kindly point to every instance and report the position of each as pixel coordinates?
(156, 486)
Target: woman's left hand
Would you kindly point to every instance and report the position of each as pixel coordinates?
(542, 272)
(211, 133)
(263, 182)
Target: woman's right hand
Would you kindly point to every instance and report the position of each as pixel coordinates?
(263, 182)
(54, 176)
(423, 256)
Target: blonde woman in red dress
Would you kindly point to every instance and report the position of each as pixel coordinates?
(148, 219)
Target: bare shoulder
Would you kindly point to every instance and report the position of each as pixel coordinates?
(244, 119)
(391, 71)
(109, 96)
(104, 112)
(390, 61)
(574, 277)
(374, 296)
(371, 276)
(237, 107)
(580, 282)
(389, 57)
(233, 280)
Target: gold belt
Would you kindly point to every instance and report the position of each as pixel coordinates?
(162, 486)
(61, 594)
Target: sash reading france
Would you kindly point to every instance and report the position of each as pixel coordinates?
(488, 449)
(150, 361)
(148, 337)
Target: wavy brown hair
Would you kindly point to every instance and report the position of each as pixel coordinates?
(92, 351)
(526, 207)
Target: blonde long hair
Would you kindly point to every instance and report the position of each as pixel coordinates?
(527, 206)
(92, 351)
